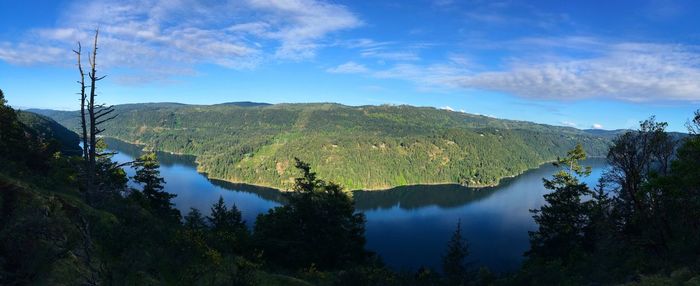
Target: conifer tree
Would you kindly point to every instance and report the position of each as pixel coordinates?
(453, 263)
(194, 220)
(225, 219)
(563, 219)
(318, 226)
(228, 231)
(148, 175)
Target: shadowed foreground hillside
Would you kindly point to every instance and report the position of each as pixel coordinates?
(365, 147)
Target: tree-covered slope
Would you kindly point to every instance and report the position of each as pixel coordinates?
(48, 128)
(364, 147)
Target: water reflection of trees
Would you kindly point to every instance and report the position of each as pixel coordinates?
(407, 197)
(448, 196)
(164, 158)
(413, 197)
(269, 194)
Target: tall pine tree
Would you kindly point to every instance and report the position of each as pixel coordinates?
(225, 219)
(148, 175)
(194, 220)
(228, 230)
(453, 263)
(563, 219)
(317, 226)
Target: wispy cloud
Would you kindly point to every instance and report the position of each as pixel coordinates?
(635, 72)
(626, 71)
(597, 126)
(172, 37)
(300, 22)
(26, 54)
(512, 13)
(392, 56)
(385, 50)
(349, 67)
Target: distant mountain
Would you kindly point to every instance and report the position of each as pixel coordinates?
(245, 103)
(612, 134)
(363, 147)
(605, 133)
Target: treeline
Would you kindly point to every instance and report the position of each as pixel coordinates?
(639, 225)
(366, 147)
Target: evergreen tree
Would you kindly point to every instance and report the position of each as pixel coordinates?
(317, 226)
(228, 230)
(20, 145)
(224, 219)
(453, 263)
(148, 175)
(563, 219)
(194, 220)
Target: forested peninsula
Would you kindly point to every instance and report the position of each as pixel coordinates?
(360, 147)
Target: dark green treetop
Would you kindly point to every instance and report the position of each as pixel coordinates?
(194, 220)
(317, 226)
(225, 219)
(453, 263)
(148, 175)
(563, 218)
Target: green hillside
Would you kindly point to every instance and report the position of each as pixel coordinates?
(48, 128)
(364, 147)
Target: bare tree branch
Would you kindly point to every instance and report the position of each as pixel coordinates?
(105, 120)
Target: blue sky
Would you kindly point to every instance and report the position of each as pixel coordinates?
(587, 64)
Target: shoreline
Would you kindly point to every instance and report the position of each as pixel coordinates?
(475, 188)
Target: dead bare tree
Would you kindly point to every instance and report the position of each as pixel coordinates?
(92, 116)
(82, 103)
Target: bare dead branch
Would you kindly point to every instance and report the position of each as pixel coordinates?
(106, 154)
(102, 114)
(108, 119)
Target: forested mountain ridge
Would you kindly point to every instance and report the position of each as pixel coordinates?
(363, 147)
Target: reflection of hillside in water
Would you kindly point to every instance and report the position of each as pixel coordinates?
(417, 196)
(164, 158)
(452, 195)
(269, 194)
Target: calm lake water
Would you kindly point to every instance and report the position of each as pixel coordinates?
(407, 226)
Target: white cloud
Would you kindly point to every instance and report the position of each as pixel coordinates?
(25, 54)
(627, 71)
(303, 21)
(349, 67)
(597, 126)
(448, 108)
(363, 43)
(393, 56)
(569, 123)
(170, 37)
(436, 75)
(385, 50)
